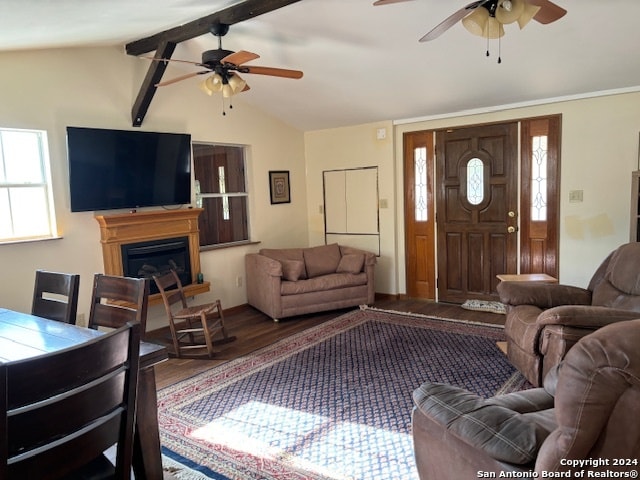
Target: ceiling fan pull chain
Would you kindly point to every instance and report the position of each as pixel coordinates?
(499, 49)
(488, 43)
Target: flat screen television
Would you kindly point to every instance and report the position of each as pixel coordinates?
(112, 169)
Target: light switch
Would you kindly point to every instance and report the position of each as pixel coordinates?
(575, 196)
(381, 133)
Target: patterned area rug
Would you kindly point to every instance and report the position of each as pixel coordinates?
(332, 402)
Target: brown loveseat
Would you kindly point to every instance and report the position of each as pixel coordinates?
(545, 320)
(294, 281)
(587, 411)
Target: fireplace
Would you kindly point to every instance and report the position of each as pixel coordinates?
(156, 257)
(152, 229)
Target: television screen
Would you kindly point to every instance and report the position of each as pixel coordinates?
(111, 169)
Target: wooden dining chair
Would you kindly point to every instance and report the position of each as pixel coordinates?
(55, 296)
(192, 327)
(60, 411)
(118, 300)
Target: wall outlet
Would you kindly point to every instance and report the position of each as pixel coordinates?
(238, 281)
(80, 319)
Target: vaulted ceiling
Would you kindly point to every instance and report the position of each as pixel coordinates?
(363, 63)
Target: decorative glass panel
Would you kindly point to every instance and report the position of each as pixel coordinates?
(475, 181)
(539, 179)
(420, 187)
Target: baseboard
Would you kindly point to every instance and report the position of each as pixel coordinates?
(387, 296)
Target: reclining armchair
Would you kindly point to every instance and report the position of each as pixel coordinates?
(586, 411)
(545, 320)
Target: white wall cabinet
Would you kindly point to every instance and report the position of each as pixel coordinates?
(351, 207)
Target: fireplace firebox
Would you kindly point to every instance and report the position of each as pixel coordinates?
(155, 257)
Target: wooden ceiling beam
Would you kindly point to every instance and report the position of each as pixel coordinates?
(164, 43)
(229, 16)
(148, 87)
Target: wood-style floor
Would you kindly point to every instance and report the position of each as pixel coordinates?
(254, 330)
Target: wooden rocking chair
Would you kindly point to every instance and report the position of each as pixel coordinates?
(192, 327)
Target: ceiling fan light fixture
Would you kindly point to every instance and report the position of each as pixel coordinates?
(237, 84)
(212, 84)
(204, 88)
(493, 29)
(227, 91)
(476, 21)
(508, 11)
(528, 13)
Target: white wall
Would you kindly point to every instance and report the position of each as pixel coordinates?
(96, 87)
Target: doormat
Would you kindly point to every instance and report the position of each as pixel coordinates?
(485, 306)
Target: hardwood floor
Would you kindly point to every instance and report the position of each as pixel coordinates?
(255, 330)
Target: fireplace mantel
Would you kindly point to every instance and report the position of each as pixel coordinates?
(121, 229)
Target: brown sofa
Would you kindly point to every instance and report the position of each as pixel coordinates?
(545, 320)
(294, 281)
(587, 410)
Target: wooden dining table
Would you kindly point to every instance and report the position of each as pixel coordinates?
(23, 335)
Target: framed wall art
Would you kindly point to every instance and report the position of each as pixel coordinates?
(279, 186)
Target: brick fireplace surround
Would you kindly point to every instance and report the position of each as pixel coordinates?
(122, 229)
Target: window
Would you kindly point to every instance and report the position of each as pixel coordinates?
(220, 174)
(26, 201)
(475, 181)
(420, 183)
(539, 178)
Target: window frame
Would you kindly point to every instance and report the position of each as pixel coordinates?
(45, 184)
(200, 195)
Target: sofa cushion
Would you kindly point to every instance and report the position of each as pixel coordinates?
(292, 270)
(285, 254)
(321, 260)
(351, 263)
(325, 282)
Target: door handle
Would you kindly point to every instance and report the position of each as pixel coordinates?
(511, 229)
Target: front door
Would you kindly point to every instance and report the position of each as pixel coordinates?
(476, 178)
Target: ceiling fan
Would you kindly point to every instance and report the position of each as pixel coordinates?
(224, 67)
(487, 17)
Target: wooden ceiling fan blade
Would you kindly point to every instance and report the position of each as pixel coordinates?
(549, 11)
(238, 58)
(180, 78)
(451, 20)
(387, 2)
(274, 72)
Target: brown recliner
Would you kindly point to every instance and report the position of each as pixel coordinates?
(587, 411)
(545, 320)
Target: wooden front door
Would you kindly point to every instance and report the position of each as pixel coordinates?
(419, 215)
(476, 178)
